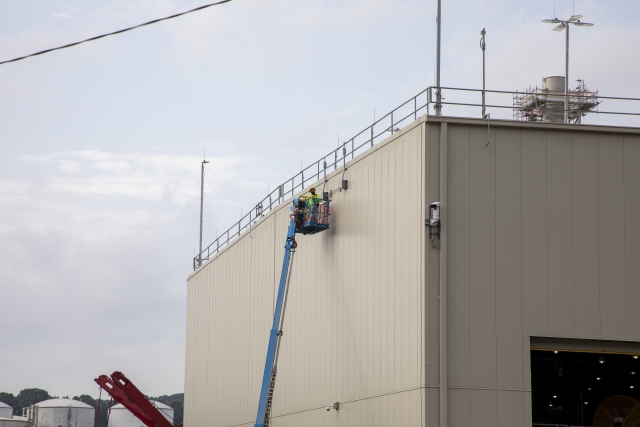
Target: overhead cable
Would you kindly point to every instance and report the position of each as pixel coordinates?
(116, 32)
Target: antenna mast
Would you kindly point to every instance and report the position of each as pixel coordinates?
(438, 106)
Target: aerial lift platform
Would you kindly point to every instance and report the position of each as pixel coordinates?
(309, 217)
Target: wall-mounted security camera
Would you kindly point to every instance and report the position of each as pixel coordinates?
(434, 222)
(434, 214)
(334, 405)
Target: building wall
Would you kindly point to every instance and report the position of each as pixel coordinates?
(544, 240)
(354, 329)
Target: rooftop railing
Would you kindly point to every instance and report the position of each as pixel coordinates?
(461, 101)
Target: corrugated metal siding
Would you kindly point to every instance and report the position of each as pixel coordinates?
(544, 241)
(354, 329)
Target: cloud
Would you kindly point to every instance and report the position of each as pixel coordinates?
(151, 177)
(348, 112)
(62, 15)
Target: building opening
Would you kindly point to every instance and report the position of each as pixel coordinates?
(585, 388)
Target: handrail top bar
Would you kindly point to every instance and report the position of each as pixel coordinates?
(619, 98)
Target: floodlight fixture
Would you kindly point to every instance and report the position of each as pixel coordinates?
(575, 20)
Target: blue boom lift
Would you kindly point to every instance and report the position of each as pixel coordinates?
(308, 217)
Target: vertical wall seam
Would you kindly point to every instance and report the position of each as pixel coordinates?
(468, 142)
(522, 327)
(444, 383)
(599, 256)
(495, 256)
(624, 241)
(423, 271)
(573, 249)
(546, 198)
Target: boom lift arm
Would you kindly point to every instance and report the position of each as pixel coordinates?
(307, 218)
(123, 391)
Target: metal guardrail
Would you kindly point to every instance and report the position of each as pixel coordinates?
(367, 138)
(361, 142)
(519, 93)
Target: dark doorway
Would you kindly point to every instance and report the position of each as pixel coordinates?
(568, 387)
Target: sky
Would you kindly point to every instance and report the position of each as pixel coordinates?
(101, 144)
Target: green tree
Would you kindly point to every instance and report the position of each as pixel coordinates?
(85, 398)
(103, 412)
(28, 397)
(178, 412)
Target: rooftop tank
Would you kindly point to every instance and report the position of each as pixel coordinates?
(122, 417)
(64, 413)
(6, 411)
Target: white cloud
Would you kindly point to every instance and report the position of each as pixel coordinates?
(152, 177)
(70, 166)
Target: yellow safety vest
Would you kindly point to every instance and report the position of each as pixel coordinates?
(314, 199)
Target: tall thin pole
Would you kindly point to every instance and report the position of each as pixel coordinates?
(438, 105)
(201, 210)
(483, 47)
(566, 79)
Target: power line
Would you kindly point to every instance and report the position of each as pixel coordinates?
(116, 32)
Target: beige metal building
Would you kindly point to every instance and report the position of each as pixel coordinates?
(539, 257)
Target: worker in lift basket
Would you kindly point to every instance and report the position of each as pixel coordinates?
(311, 206)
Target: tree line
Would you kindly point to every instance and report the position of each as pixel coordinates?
(31, 396)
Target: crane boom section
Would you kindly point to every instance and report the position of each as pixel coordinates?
(125, 392)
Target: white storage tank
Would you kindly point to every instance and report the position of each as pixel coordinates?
(122, 417)
(6, 411)
(64, 413)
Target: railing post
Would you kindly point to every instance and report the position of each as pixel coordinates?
(372, 135)
(415, 107)
(352, 150)
(392, 123)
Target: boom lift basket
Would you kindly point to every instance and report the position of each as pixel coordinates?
(315, 217)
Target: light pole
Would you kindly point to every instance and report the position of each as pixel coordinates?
(574, 20)
(201, 209)
(438, 106)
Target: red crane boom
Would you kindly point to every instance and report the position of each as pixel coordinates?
(123, 391)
